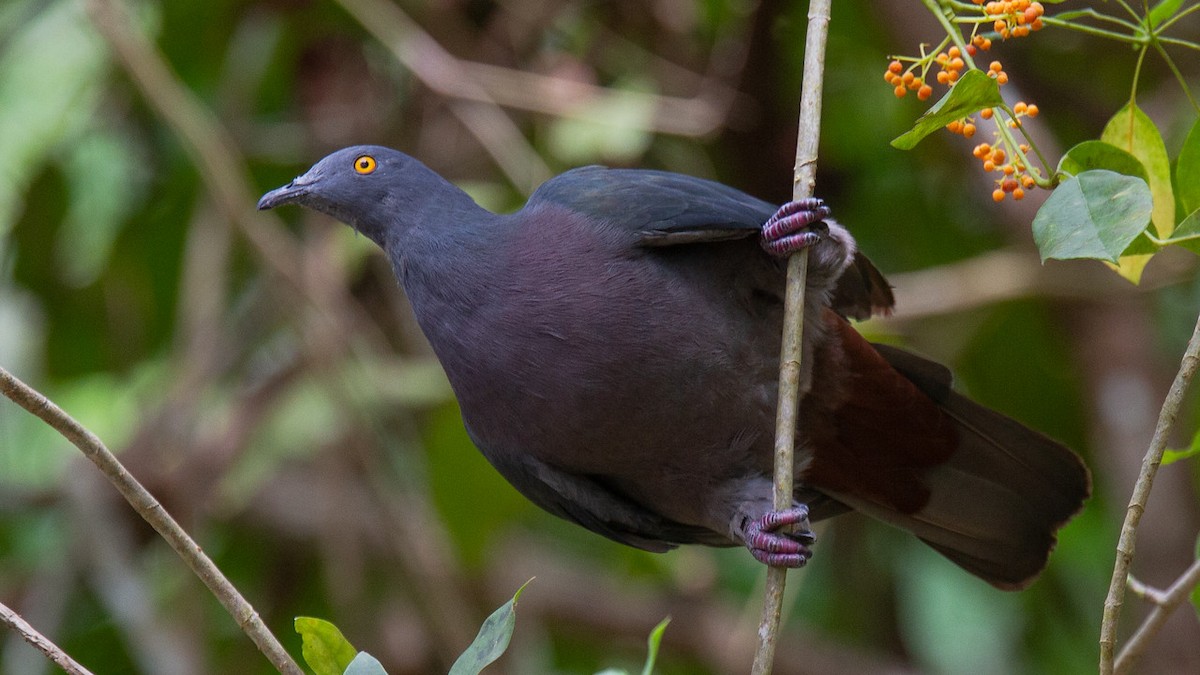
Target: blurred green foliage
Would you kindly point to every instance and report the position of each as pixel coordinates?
(314, 448)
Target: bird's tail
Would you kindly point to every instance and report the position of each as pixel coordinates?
(996, 504)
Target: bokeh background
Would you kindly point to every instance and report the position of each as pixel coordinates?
(262, 375)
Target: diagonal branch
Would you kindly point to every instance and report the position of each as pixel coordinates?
(1165, 603)
(41, 642)
(153, 513)
(1137, 502)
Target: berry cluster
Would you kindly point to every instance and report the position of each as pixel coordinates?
(1014, 177)
(905, 81)
(1015, 18)
(1011, 18)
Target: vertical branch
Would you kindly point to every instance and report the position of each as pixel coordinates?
(804, 177)
(1137, 501)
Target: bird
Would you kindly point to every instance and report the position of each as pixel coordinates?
(614, 349)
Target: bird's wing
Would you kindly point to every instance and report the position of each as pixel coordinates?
(587, 502)
(661, 208)
(670, 209)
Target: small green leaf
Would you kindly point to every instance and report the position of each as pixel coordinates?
(1195, 596)
(1132, 131)
(1095, 214)
(365, 664)
(975, 91)
(1163, 11)
(1172, 456)
(492, 639)
(652, 645)
(1187, 170)
(325, 649)
(1100, 155)
(1187, 235)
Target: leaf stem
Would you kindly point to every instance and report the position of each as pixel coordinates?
(1135, 39)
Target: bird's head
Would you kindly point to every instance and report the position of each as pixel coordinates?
(359, 185)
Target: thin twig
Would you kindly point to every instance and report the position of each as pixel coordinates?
(41, 642)
(1148, 593)
(1168, 601)
(804, 178)
(153, 513)
(1137, 502)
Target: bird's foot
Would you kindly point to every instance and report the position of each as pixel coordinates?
(772, 547)
(794, 226)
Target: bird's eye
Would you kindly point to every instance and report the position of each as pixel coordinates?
(365, 164)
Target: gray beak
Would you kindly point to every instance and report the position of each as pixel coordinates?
(284, 195)
(290, 193)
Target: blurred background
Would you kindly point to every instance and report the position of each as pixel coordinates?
(260, 372)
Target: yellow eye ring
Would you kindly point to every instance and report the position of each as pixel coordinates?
(365, 164)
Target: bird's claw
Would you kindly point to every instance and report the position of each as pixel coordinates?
(780, 549)
(794, 226)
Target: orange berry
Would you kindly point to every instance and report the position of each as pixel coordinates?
(924, 92)
(907, 78)
(1018, 193)
(1028, 181)
(1000, 27)
(998, 155)
(953, 75)
(1024, 147)
(986, 113)
(986, 44)
(953, 52)
(1036, 8)
(943, 77)
(995, 66)
(957, 63)
(998, 195)
(1002, 77)
(1019, 107)
(1037, 24)
(1008, 169)
(895, 67)
(941, 58)
(900, 91)
(889, 76)
(981, 150)
(954, 127)
(989, 166)
(1031, 110)
(968, 130)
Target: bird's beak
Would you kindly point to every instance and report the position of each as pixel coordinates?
(293, 192)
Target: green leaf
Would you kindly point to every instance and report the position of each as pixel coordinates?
(492, 639)
(1163, 11)
(365, 664)
(1187, 170)
(1090, 155)
(325, 649)
(1132, 131)
(975, 91)
(1187, 235)
(1095, 214)
(1195, 596)
(652, 645)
